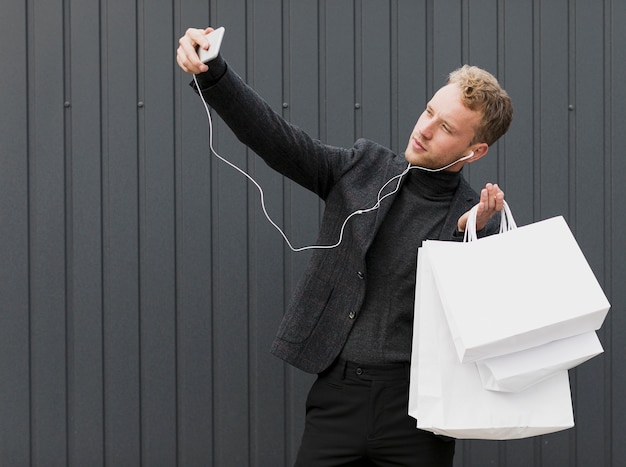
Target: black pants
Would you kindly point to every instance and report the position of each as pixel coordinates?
(358, 416)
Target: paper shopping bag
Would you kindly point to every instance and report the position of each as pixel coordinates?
(447, 397)
(520, 370)
(516, 290)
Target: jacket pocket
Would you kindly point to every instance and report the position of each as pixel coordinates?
(310, 302)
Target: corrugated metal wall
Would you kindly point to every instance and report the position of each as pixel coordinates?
(140, 285)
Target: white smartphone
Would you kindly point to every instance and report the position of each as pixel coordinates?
(215, 42)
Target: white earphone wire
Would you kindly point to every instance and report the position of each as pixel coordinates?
(379, 199)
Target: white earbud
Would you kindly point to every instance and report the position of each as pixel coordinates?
(469, 156)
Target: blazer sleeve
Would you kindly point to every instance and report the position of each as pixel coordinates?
(284, 147)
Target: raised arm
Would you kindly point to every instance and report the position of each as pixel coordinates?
(285, 147)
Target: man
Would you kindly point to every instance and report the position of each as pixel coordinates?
(351, 317)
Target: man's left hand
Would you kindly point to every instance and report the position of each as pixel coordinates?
(491, 201)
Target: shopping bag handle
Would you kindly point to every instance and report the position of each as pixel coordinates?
(506, 222)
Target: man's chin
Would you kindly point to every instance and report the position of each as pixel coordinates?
(413, 159)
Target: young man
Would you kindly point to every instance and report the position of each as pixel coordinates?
(350, 320)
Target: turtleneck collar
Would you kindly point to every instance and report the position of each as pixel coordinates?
(433, 185)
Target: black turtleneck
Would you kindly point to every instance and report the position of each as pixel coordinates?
(384, 327)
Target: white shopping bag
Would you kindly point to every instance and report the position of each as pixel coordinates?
(524, 287)
(520, 370)
(447, 397)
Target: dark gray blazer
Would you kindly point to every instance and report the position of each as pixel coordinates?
(328, 297)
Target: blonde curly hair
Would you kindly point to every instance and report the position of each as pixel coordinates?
(481, 91)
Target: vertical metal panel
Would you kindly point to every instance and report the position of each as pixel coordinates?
(446, 41)
(339, 103)
(14, 239)
(374, 78)
(141, 285)
(47, 218)
(194, 259)
(157, 236)
(121, 269)
(84, 238)
(615, 99)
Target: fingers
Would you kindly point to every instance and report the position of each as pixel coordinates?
(491, 198)
(187, 55)
(491, 201)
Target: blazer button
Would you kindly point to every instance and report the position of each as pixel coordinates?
(352, 315)
(361, 275)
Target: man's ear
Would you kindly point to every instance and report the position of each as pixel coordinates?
(480, 150)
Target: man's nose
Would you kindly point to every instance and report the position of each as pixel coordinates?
(426, 130)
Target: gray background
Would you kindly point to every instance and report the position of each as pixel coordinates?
(141, 286)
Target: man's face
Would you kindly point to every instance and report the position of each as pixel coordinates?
(443, 132)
